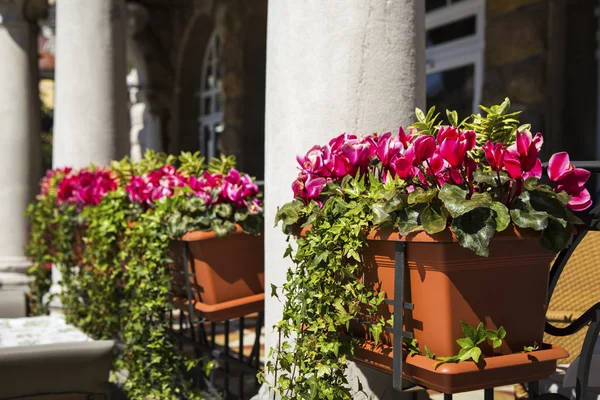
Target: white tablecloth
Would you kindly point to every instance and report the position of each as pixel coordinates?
(38, 330)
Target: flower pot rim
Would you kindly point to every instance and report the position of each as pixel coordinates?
(194, 236)
(548, 352)
(512, 232)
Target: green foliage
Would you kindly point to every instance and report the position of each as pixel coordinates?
(155, 367)
(322, 294)
(529, 349)
(115, 263)
(427, 124)
(469, 345)
(221, 165)
(192, 163)
(188, 213)
(498, 125)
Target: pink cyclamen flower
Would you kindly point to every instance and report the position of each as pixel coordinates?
(238, 189)
(387, 148)
(454, 145)
(313, 162)
(571, 180)
(421, 149)
(86, 187)
(308, 188)
(494, 154)
(155, 185)
(521, 159)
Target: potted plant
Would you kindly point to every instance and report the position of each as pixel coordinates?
(480, 230)
(216, 216)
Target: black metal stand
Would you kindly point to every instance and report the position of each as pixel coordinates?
(229, 364)
(591, 316)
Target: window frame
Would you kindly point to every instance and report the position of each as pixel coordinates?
(212, 60)
(468, 50)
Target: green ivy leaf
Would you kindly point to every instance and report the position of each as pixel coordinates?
(529, 349)
(289, 213)
(322, 370)
(380, 215)
(429, 354)
(471, 354)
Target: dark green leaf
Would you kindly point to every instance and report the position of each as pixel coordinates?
(555, 237)
(502, 216)
(407, 221)
(475, 229)
(525, 216)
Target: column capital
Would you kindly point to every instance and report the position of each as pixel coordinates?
(22, 11)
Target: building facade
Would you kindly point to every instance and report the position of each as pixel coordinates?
(195, 75)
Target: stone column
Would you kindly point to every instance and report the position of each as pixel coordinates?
(91, 95)
(337, 66)
(90, 124)
(20, 161)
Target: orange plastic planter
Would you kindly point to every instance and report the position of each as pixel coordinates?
(448, 284)
(228, 273)
(466, 376)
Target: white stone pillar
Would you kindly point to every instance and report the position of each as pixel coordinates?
(20, 160)
(91, 95)
(90, 124)
(336, 66)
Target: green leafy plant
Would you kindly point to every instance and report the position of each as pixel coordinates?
(109, 231)
(469, 345)
(529, 349)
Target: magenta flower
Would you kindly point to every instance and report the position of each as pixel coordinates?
(313, 162)
(308, 188)
(403, 167)
(494, 154)
(571, 180)
(238, 189)
(86, 187)
(521, 159)
(387, 148)
(421, 149)
(51, 177)
(255, 207)
(454, 145)
(155, 185)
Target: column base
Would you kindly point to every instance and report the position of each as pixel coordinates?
(14, 264)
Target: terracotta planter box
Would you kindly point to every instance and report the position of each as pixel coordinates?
(467, 376)
(228, 273)
(448, 284)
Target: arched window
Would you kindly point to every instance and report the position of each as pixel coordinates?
(211, 98)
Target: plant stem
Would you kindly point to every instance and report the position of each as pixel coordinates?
(500, 185)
